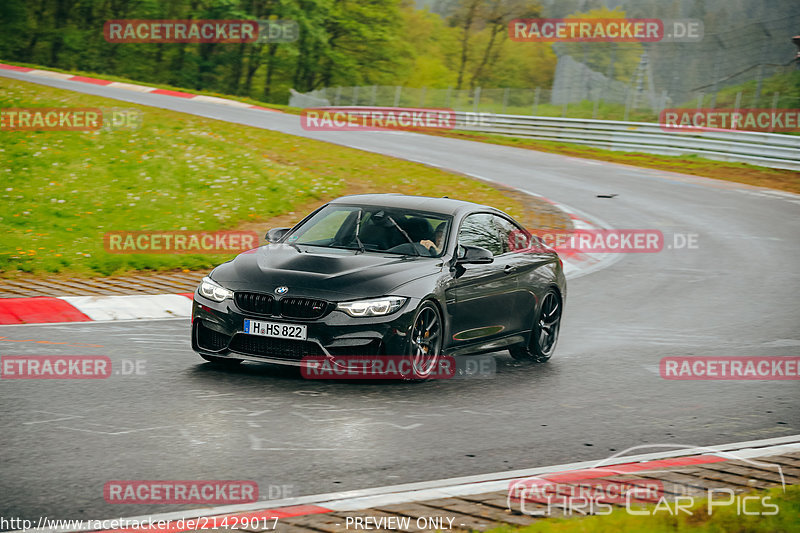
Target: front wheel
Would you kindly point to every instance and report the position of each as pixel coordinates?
(544, 334)
(221, 361)
(425, 344)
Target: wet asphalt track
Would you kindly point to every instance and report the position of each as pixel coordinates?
(736, 294)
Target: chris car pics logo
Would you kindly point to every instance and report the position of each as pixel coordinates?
(643, 486)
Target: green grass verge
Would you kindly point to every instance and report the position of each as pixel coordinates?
(723, 519)
(62, 191)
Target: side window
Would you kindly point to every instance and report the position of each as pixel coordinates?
(481, 230)
(512, 237)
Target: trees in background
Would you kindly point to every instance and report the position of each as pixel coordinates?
(341, 42)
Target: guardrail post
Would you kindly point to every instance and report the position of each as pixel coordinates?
(397, 96)
(476, 99)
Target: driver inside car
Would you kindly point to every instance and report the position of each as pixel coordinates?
(435, 246)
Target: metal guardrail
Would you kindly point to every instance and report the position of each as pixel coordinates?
(764, 149)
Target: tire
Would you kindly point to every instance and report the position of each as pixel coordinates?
(221, 361)
(425, 341)
(544, 334)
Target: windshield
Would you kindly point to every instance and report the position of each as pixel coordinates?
(375, 229)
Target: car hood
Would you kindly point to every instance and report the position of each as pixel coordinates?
(322, 272)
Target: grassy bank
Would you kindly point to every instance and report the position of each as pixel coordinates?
(63, 190)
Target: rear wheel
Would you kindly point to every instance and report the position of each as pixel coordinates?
(221, 361)
(544, 334)
(426, 341)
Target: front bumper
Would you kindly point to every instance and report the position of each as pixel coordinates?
(217, 330)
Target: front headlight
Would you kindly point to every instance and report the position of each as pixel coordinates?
(373, 306)
(214, 291)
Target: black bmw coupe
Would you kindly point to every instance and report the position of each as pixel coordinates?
(384, 274)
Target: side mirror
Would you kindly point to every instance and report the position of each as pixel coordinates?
(473, 255)
(276, 234)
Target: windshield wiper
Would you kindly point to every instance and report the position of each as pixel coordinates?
(358, 228)
(396, 225)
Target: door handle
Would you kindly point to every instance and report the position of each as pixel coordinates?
(509, 269)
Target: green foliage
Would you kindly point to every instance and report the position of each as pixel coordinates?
(484, 55)
(341, 42)
(615, 60)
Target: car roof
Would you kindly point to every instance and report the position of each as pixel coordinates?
(445, 206)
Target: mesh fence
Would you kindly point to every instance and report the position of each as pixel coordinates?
(728, 68)
(610, 102)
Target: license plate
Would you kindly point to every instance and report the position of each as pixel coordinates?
(275, 329)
